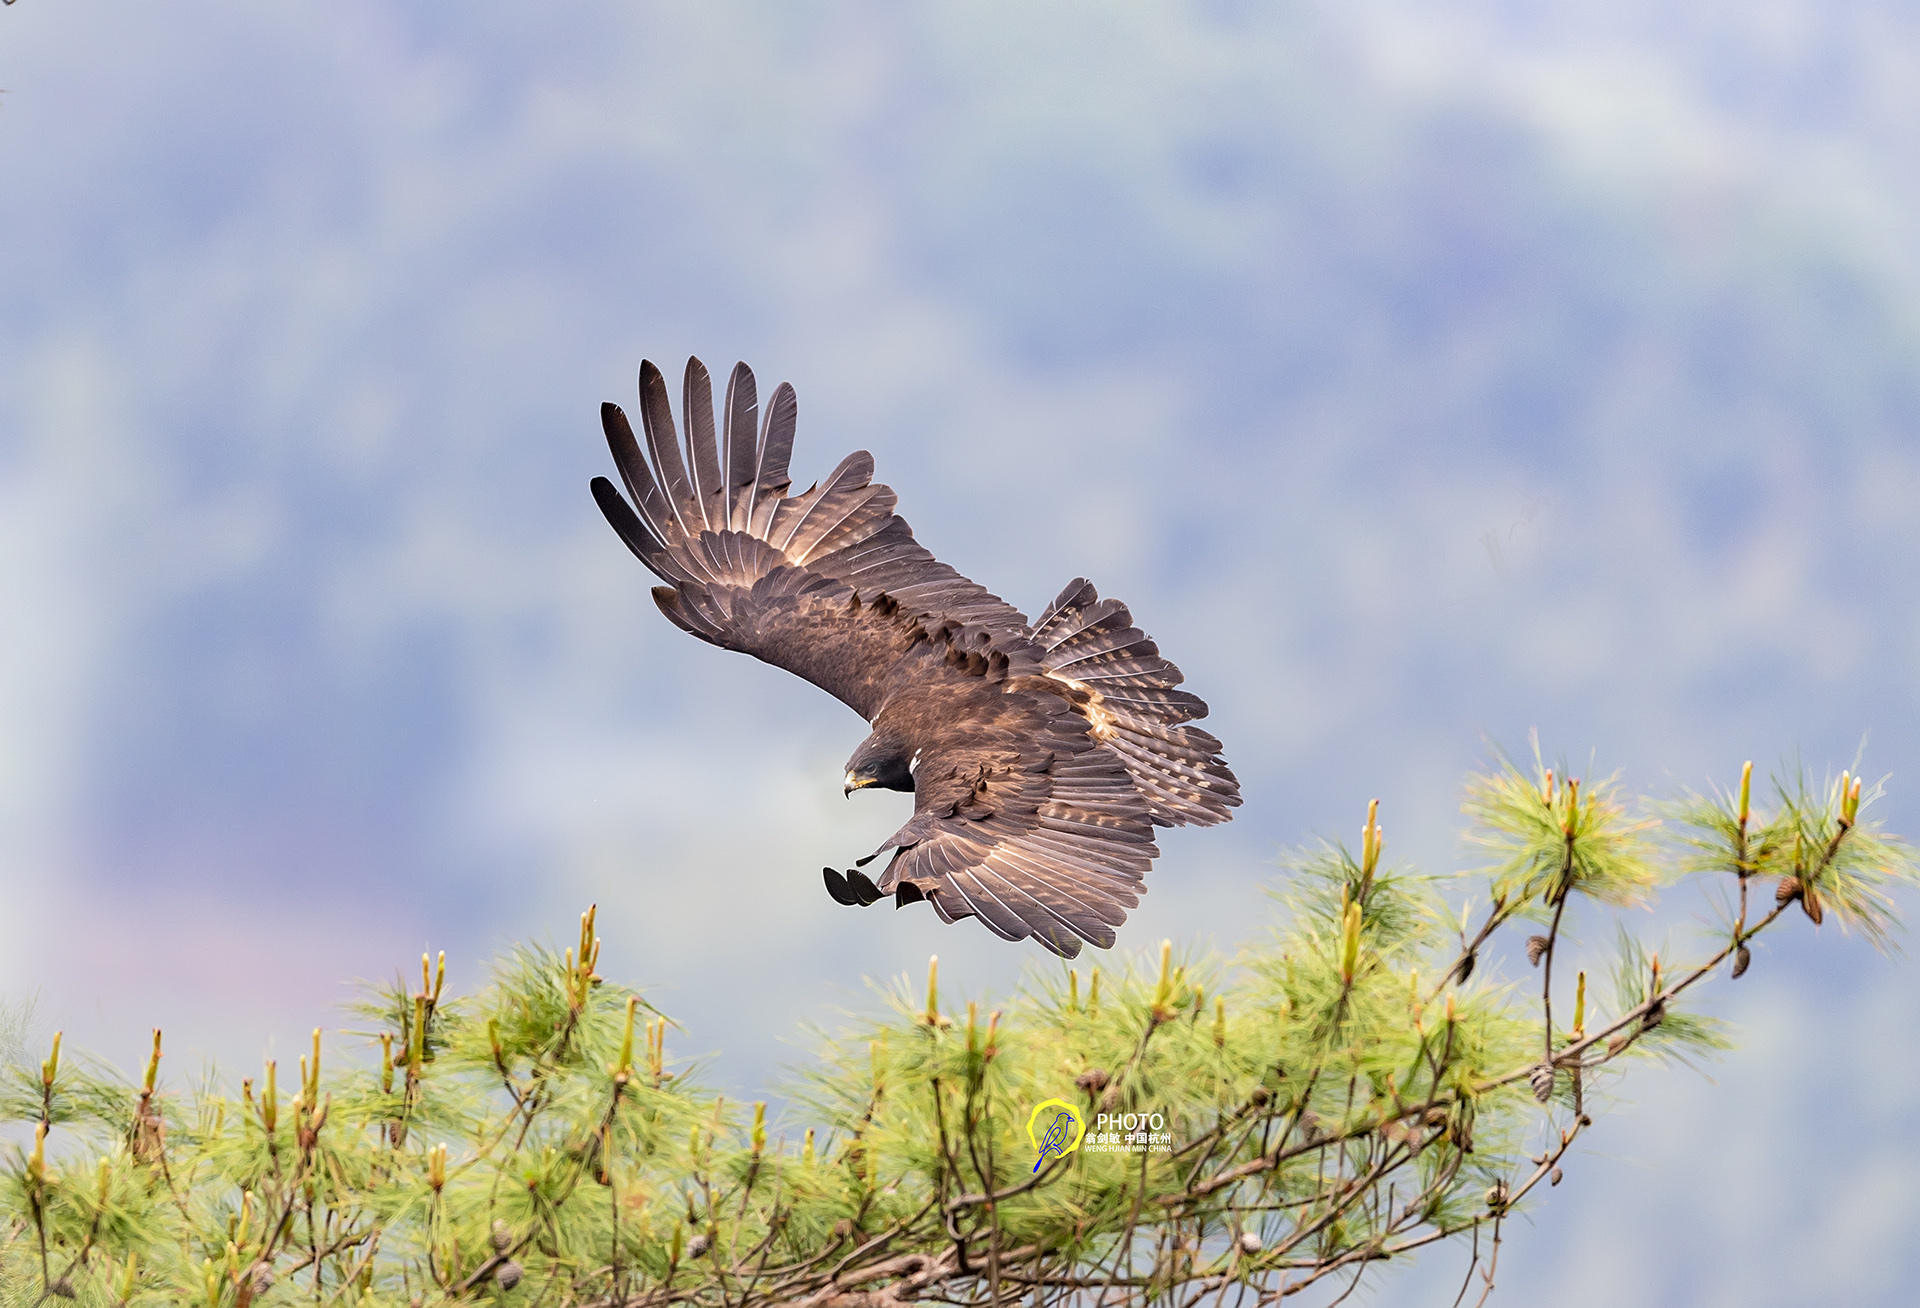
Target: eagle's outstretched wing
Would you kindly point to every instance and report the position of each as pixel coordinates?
(1127, 692)
(828, 584)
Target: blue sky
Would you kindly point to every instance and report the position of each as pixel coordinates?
(1422, 374)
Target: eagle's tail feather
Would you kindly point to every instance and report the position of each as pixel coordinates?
(1136, 712)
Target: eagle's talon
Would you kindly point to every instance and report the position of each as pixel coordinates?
(837, 887)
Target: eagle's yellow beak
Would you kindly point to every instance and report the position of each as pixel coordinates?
(852, 785)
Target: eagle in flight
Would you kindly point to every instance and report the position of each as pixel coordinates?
(1040, 755)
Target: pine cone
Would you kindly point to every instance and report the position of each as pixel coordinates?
(508, 1274)
(1536, 949)
(1093, 1080)
(1810, 901)
(262, 1278)
(1464, 968)
(1742, 958)
(1789, 888)
(501, 1237)
(1541, 1078)
(1554, 1177)
(1249, 1242)
(61, 1286)
(698, 1246)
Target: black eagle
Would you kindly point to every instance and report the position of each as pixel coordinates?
(1040, 755)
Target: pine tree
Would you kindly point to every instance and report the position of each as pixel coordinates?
(1345, 1092)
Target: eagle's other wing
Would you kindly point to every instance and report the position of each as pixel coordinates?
(1116, 675)
(829, 583)
(1024, 821)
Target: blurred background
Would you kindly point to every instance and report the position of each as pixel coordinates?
(1421, 373)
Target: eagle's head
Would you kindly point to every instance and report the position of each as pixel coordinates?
(882, 760)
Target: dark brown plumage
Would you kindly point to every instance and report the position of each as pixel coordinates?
(1040, 756)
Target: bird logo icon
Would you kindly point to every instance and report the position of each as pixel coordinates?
(1061, 1132)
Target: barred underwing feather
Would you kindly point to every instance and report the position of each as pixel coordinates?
(1098, 642)
(1092, 643)
(1119, 668)
(1175, 706)
(1078, 594)
(1159, 765)
(1163, 741)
